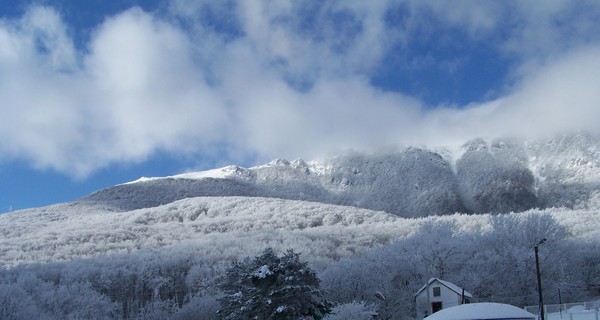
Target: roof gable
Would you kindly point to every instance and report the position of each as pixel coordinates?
(456, 289)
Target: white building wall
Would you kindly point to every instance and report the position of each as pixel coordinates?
(447, 297)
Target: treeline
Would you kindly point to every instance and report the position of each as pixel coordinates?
(494, 263)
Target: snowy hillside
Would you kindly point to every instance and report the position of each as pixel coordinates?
(500, 175)
(80, 261)
(69, 231)
(158, 248)
(227, 227)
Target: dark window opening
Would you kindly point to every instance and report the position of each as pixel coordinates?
(437, 292)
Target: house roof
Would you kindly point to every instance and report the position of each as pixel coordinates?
(482, 311)
(446, 284)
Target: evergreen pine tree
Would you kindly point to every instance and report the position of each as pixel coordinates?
(271, 287)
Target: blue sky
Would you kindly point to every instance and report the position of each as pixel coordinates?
(96, 93)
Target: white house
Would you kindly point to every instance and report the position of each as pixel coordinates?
(439, 294)
(482, 311)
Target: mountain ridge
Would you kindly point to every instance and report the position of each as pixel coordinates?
(499, 175)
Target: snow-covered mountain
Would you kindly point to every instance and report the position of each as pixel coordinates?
(156, 248)
(500, 175)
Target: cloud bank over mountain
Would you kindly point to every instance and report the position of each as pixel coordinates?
(264, 80)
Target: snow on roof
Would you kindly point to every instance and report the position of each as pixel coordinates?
(482, 311)
(447, 284)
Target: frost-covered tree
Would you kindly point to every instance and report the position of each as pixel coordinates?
(352, 311)
(272, 287)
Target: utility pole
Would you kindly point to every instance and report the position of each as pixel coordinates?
(539, 280)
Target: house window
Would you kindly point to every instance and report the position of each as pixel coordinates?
(436, 306)
(436, 292)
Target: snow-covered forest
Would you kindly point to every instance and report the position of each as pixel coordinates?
(72, 262)
(155, 249)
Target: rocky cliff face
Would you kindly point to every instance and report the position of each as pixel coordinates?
(499, 176)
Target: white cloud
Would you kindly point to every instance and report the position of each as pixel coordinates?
(477, 18)
(37, 117)
(135, 92)
(561, 96)
(148, 87)
(558, 98)
(276, 87)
